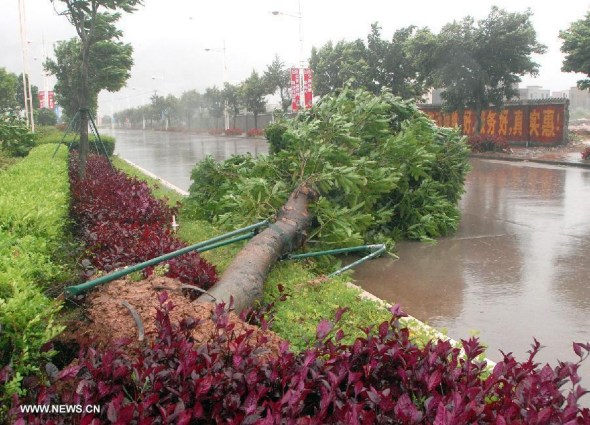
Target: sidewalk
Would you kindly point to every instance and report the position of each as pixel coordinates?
(567, 155)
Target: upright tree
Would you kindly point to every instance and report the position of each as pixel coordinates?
(190, 102)
(214, 102)
(576, 46)
(8, 91)
(335, 65)
(254, 90)
(479, 64)
(232, 97)
(391, 64)
(97, 60)
(278, 78)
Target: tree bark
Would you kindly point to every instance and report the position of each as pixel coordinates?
(245, 276)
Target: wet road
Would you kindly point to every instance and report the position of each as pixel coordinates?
(518, 267)
(172, 156)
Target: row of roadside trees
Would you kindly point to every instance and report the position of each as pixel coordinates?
(478, 63)
(193, 108)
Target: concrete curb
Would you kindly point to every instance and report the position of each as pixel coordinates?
(536, 160)
(416, 322)
(159, 179)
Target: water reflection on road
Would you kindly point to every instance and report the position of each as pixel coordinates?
(518, 266)
(172, 155)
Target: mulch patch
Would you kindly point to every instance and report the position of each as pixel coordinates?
(108, 320)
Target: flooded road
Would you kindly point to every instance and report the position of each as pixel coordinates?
(517, 268)
(172, 155)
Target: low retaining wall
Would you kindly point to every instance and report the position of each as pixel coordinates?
(532, 123)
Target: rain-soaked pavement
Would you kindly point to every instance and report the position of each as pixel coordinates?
(172, 156)
(517, 268)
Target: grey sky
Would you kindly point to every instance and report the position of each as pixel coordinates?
(169, 36)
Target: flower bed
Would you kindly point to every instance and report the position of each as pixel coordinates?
(255, 132)
(485, 143)
(381, 378)
(122, 224)
(215, 131)
(234, 132)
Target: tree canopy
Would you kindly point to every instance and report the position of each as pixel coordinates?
(382, 169)
(93, 62)
(278, 79)
(576, 46)
(374, 65)
(254, 90)
(8, 90)
(108, 69)
(479, 64)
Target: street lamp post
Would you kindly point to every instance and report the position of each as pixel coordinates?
(225, 111)
(302, 64)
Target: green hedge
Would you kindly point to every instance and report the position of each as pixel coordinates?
(34, 199)
(53, 135)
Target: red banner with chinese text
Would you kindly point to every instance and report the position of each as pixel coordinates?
(49, 102)
(542, 124)
(307, 91)
(295, 89)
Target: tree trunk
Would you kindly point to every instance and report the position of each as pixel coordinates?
(84, 148)
(477, 126)
(245, 276)
(255, 119)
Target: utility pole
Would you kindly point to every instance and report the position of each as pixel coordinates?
(28, 97)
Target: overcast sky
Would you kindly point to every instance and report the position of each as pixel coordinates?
(169, 37)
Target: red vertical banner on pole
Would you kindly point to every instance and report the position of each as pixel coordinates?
(51, 100)
(295, 89)
(307, 80)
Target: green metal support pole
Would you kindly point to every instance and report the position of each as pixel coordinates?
(334, 252)
(373, 254)
(226, 242)
(199, 247)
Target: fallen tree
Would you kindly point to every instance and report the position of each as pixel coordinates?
(375, 167)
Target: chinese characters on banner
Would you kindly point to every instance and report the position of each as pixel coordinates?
(308, 94)
(295, 89)
(518, 123)
(48, 103)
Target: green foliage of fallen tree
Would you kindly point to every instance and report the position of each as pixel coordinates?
(382, 169)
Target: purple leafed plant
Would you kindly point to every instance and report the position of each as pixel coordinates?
(122, 224)
(381, 378)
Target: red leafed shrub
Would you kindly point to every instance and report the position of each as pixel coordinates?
(381, 378)
(485, 143)
(586, 153)
(254, 132)
(234, 132)
(122, 224)
(215, 131)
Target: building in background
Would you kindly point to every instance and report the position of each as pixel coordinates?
(534, 92)
(579, 99)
